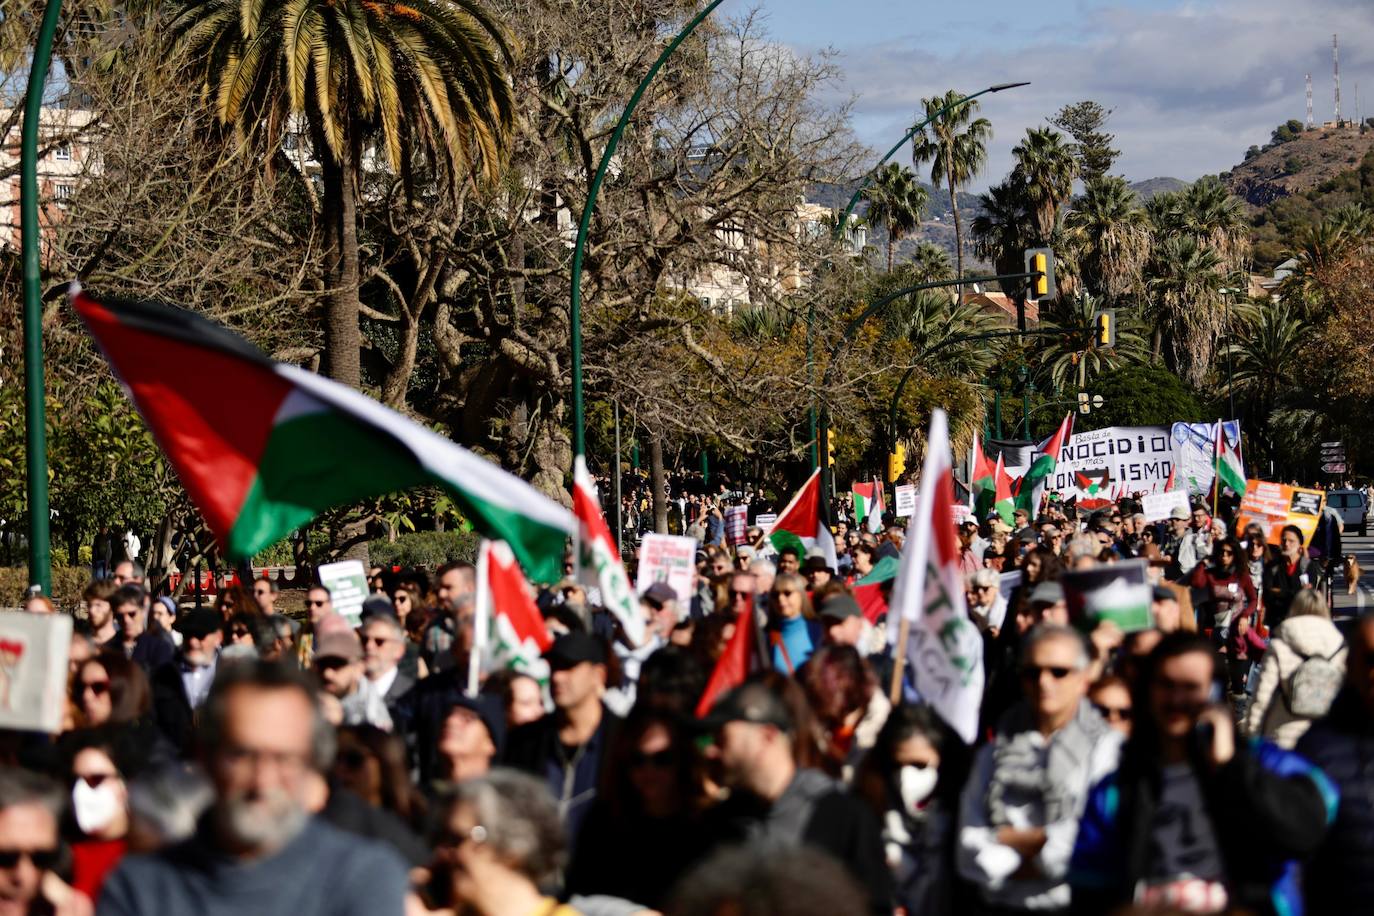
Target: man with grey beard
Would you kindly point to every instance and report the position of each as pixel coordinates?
(257, 850)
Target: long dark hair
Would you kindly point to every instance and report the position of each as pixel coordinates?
(131, 698)
(398, 794)
(1239, 562)
(875, 779)
(618, 792)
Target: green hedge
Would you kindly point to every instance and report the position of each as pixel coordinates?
(68, 582)
(424, 548)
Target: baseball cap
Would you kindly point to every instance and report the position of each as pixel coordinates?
(1047, 593)
(575, 648)
(840, 606)
(1164, 593)
(1180, 514)
(341, 644)
(198, 623)
(753, 703)
(659, 594)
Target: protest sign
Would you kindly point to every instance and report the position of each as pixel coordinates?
(33, 670)
(1195, 452)
(1157, 506)
(1104, 464)
(906, 500)
(668, 558)
(961, 512)
(765, 520)
(1274, 505)
(1117, 592)
(736, 525)
(347, 584)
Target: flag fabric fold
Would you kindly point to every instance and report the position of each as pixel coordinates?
(1003, 503)
(262, 448)
(509, 633)
(732, 667)
(868, 591)
(863, 496)
(982, 482)
(805, 523)
(1227, 466)
(943, 648)
(599, 563)
(1043, 463)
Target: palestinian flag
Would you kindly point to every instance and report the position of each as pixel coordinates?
(868, 591)
(1226, 463)
(982, 482)
(599, 563)
(863, 495)
(1003, 504)
(804, 523)
(1043, 462)
(509, 633)
(262, 448)
(732, 667)
(1169, 484)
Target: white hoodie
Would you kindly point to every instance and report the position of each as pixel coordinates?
(1295, 640)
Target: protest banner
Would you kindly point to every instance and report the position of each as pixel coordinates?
(1274, 505)
(906, 500)
(1195, 453)
(736, 525)
(347, 584)
(1157, 506)
(33, 670)
(667, 558)
(1116, 592)
(1102, 465)
(765, 520)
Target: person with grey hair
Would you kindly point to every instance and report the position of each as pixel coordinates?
(499, 840)
(987, 606)
(264, 744)
(1020, 807)
(30, 847)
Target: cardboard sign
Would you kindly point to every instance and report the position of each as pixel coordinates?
(960, 513)
(1274, 505)
(1118, 592)
(1158, 506)
(33, 670)
(347, 584)
(906, 501)
(736, 525)
(1007, 582)
(1102, 465)
(765, 520)
(667, 558)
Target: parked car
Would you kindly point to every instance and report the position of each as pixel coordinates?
(1352, 506)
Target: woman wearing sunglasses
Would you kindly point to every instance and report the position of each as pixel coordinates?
(1227, 589)
(111, 690)
(647, 810)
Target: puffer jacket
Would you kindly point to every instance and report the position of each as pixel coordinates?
(1296, 640)
(1340, 877)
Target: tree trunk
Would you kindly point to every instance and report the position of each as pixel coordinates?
(958, 229)
(342, 338)
(889, 251)
(656, 481)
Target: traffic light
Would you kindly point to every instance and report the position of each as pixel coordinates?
(830, 446)
(1104, 328)
(1039, 261)
(896, 462)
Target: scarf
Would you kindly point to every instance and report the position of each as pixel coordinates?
(1019, 776)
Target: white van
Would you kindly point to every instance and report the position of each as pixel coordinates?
(1352, 506)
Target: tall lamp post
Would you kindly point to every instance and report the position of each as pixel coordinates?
(1229, 293)
(584, 225)
(35, 413)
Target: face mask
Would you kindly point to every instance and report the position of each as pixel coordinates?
(94, 806)
(915, 784)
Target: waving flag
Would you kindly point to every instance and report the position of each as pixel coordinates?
(1003, 504)
(868, 591)
(982, 481)
(1226, 463)
(508, 631)
(733, 665)
(942, 646)
(804, 523)
(1045, 458)
(262, 448)
(599, 563)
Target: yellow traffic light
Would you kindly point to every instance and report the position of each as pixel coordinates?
(896, 462)
(1040, 285)
(1104, 328)
(1039, 274)
(830, 446)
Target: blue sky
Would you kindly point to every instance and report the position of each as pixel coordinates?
(1192, 84)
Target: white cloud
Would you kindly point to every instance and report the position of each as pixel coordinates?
(1191, 87)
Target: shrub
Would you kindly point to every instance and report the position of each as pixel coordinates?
(68, 582)
(424, 548)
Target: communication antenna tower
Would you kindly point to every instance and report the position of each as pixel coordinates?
(1310, 122)
(1336, 72)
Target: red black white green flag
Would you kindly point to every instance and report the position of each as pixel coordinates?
(509, 632)
(262, 448)
(805, 523)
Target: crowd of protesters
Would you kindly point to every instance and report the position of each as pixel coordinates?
(232, 759)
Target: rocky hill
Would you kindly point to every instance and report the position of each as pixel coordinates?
(1152, 187)
(1308, 161)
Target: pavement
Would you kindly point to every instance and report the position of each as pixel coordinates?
(1347, 607)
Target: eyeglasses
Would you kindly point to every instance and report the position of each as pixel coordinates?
(99, 688)
(312, 603)
(785, 592)
(240, 633)
(659, 759)
(401, 597)
(1113, 713)
(1033, 672)
(42, 859)
(129, 615)
(330, 664)
(245, 757)
(378, 640)
(352, 758)
(737, 595)
(450, 839)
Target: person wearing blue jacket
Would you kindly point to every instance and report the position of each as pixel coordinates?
(1195, 818)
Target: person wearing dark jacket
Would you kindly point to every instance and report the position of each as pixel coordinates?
(1285, 575)
(181, 686)
(773, 801)
(1340, 877)
(1193, 816)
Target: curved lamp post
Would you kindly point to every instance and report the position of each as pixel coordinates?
(584, 225)
(35, 414)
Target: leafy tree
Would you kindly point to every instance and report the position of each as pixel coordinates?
(1142, 395)
(1287, 131)
(895, 201)
(928, 263)
(1112, 236)
(1046, 168)
(423, 79)
(1084, 121)
(956, 146)
(1185, 278)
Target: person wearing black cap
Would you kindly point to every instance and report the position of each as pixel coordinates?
(567, 748)
(181, 686)
(817, 572)
(775, 802)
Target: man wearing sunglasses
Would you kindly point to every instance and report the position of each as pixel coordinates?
(339, 665)
(30, 849)
(1020, 807)
(151, 650)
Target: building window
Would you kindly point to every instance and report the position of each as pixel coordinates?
(63, 192)
(62, 151)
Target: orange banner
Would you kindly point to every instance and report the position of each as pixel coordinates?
(1274, 505)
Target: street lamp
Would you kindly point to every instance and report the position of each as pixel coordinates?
(1228, 292)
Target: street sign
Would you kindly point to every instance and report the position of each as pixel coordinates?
(1333, 468)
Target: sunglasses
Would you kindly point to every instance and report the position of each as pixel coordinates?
(352, 759)
(316, 603)
(738, 594)
(1033, 672)
(330, 664)
(376, 640)
(42, 859)
(240, 633)
(99, 688)
(1113, 713)
(129, 615)
(659, 760)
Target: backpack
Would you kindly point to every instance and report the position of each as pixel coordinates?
(1313, 686)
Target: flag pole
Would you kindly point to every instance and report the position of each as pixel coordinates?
(1216, 469)
(899, 665)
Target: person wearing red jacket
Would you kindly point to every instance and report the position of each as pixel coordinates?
(1227, 591)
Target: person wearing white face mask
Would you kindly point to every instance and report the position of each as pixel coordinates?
(911, 779)
(99, 761)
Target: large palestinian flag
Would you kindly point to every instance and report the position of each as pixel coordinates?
(804, 523)
(982, 482)
(1227, 466)
(262, 448)
(1043, 462)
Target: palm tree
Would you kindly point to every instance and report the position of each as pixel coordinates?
(1046, 167)
(895, 201)
(1112, 235)
(1000, 231)
(1267, 362)
(1207, 212)
(956, 146)
(1185, 278)
(929, 262)
(930, 320)
(1070, 359)
(423, 77)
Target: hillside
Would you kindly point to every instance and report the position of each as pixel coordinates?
(1153, 187)
(1305, 163)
